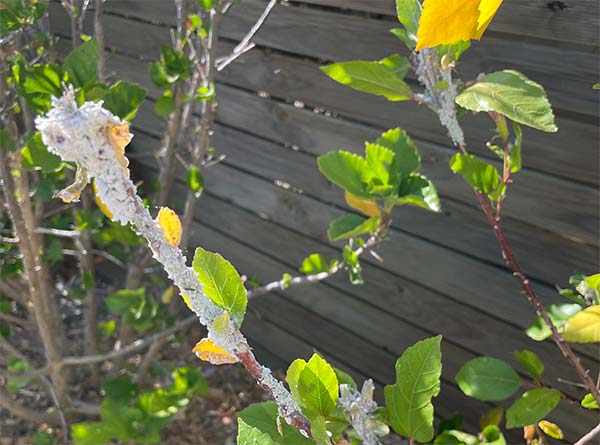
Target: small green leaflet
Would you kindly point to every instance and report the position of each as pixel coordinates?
(35, 156)
(124, 99)
(530, 362)
(418, 191)
(513, 95)
(407, 159)
(558, 313)
(532, 407)
(408, 401)
(478, 174)
(589, 402)
(222, 283)
(346, 170)
(409, 13)
(82, 64)
(350, 226)
(488, 379)
(314, 264)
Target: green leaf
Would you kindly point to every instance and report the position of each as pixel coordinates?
(222, 283)
(515, 150)
(558, 313)
(403, 35)
(408, 401)
(456, 437)
(478, 174)
(38, 83)
(122, 301)
(492, 417)
(396, 64)
(317, 388)
(596, 86)
(258, 424)
(124, 99)
(513, 95)
(407, 159)
(120, 388)
(344, 378)
(409, 13)
(16, 365)
(350, 226)
(43, 438)
(35, 156)
(370, 77)
(165, 104)
(380, 176)
(488, 379)
(493, 435)
(584, 326)
(90, 433)
(82, 64)
(589, 402)
(346, 170)
(195, 180)
(532, 407)
(418, 191)
(314, 264)
(531, 363)
(589, 288)
(318, 430)
(454, 50)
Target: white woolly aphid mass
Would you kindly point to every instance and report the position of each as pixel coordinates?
(80, 134)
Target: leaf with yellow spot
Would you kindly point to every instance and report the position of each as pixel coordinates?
(103, 208)
(119, 136)
(169, 221)
(448, 21)
(206, 350)
(365, 206)
(584, 326)
(551, 429)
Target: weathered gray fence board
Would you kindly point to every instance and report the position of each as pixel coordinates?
(574, 21)
(331, 36)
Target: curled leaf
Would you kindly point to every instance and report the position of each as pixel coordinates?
(103, 208)
(119, 136)
(444, 22)
(551, 429)
(72, 192)
(169, 221)
(206, 350)
(365, 206)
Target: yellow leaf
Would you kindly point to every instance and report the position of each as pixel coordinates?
(448, 21)
(367, 207)
(101, 204)
(72, 192)
(551, 429)
(169, 221)
(167, 295)
(206, 350)
(584, 326)
(119, 136)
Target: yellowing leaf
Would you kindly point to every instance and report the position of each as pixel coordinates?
(72, 192)
(367, 207)
(448, 21)
(119, 136)
(206, 350)
(100, 203)
(584, 326)
(551, 429)
(167, 295)
(169, 221)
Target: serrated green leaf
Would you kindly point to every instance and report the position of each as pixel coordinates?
(346, 170)
(488, 379)
(407, 159)
(222, 283)
(531, 363)
(370, 77)
(120, 388)
(408, 401)
(478, 174)
(35, 156)
(418, 191)
(81, 64)
(532, 407)
(380, 176)
(317, 388)
(350, 226)
(513, 95)
(558, 313)
(124, 99)
(258, 424)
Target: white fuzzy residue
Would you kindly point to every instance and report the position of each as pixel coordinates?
(360, 409)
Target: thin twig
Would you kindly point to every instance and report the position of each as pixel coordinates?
(589, 436)
(245, 44)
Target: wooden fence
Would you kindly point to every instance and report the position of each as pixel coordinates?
(266, 206)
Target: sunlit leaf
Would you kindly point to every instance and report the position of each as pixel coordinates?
(551, 429)
(366, 206)
(206, 350)
(168, 220)
(350, 226)
(119, 136)
(488, 379)
(532, 407)
(531, 362)
(589, 402)
(558, 313)
(583, 327)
